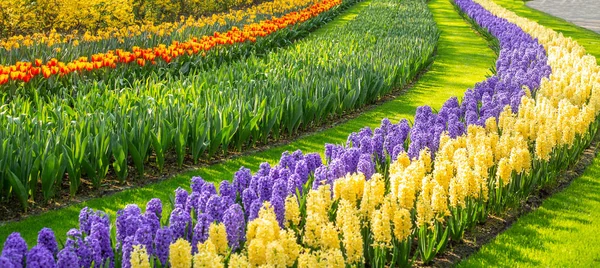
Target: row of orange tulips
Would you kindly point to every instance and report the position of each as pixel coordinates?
(25, 71)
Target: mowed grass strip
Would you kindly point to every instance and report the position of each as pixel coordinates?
(563, 231)
(463, 59)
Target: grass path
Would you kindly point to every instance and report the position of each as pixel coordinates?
(563, 232)
(463, 60)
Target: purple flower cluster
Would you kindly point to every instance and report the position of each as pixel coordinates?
(522, 62)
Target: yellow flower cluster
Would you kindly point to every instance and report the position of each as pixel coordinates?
(208, 255)
(218, 236)
(292, 211)
(106, 19)
(269, 245)
(139, 257)
(180, 254)
(348, 221)
(318, 231)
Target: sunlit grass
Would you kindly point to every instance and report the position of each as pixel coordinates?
(463, 59)
(564, 231)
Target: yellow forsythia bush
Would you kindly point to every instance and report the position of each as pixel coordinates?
(21, 17)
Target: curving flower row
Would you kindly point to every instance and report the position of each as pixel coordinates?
(433, 181)
(25, 71)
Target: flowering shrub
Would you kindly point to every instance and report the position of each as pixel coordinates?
(371, 197)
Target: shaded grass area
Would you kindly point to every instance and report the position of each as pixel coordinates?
(563, 231)
(463, 59)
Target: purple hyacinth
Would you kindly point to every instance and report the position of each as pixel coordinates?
(128, 221)
(286, 160)
(248, 196)
(196, 184)
(284, 173)
(235, 225)
(329, 149)
(144, 236)
(278, 204)
(202, 200)
(180, 223)
(294, 183)
(365, 166)
(181, 197)
(12, 257)
(154, 206)
(162, 240)
(46, 239)
(192, 201)
(377, 143)
(227, 201)
(337, 169)
(226, 189)
(201, 230)
(241, 179)
(16, 246)
(67, 258)
(321, 177)
(302, 170)
(264, 169)
(100, 232)
(151, 220)
(40, 257)
(85, 252)
(279, 189)
(95, 251)
(209, 188)
(7, 263)
(74, 233)
(127, 249)
(84, 224)
(264, 186)
(313, 161)
(214, 207)
(254, 209)
(366, 146)
(274, 173)
(350, 159)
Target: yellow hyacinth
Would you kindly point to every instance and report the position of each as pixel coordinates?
(218, 236)
(207, 256)
(275, 254)
(139, 257)
(349, 187)
(180, 254)
(264, 237)
(237, 260)
(329, 236)
(381, 228)
(292, 211)
(402, 224)
(373, 194)
(348, 221)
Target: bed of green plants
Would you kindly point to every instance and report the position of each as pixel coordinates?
(99, 130)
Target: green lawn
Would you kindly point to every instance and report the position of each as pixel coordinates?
(463, 60)
(564, 231)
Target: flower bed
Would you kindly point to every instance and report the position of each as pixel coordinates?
(379, 193)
